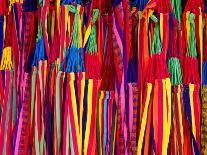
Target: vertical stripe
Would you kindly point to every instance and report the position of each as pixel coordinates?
(144, 118)
(191, 89)
(89, 113)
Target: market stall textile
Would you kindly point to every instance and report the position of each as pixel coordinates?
(103, 77)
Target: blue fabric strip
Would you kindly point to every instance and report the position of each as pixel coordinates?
(85, 110)
(105, 122)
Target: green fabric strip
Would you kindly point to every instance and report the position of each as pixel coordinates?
(58, 109)
(33, 93)
(175, 71)
(176, 5)
(191, 50)
(92, 44)
(156, 43)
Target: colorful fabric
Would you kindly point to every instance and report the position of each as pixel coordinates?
(103, 77)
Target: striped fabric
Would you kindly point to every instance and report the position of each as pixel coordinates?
(102, 77)
(22, 138)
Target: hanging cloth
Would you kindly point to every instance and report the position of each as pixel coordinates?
(177, 132)
(191, 80)
(60, 77)
(7, 84)
(161, 101)
(106, 108)
(132, 108)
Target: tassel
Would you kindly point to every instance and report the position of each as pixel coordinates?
(91, 59)
(191, 50)
(75, 57)
(177, 9)
(156, 44)
(92, 43)
(6, 61)
(175, 71)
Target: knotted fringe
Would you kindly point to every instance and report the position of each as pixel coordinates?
(177, 9)
(191, 50)
(40, 53)
(92, 64)
(191, 73)
(6, 60)
(75, 62)
(156, 43)
(175, 71)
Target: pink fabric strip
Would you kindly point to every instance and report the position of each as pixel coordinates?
(130, 107)
(96, 86)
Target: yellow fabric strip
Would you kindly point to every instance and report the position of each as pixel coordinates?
(80, 42)
(161, 26)
(89, 113)
(191, 90)
(187, 25)
(45, 74)
(164, 145)
(58, 14)
(168, 89)
(68, 20)
(81, 107)
(87, 33)
(53, 24)
(201, 41)
(114, 135)
(180, 115)
(144, 119)
(4, 26)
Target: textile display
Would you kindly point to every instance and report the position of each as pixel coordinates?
(103, 77)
